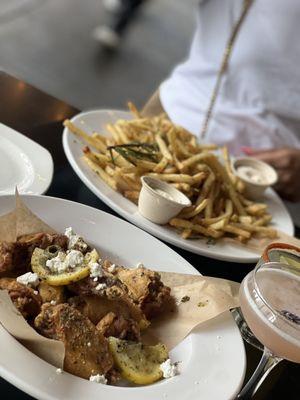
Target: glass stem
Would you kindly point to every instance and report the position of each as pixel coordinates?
(265, 366)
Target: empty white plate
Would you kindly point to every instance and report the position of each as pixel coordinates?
(23, 163)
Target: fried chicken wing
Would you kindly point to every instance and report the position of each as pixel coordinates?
(145, 288)
(15, 257)
(88, 286)
(119, 327)
(86, 349)
(50, 293)
(43, 240)
(24, 298)
(96, 307)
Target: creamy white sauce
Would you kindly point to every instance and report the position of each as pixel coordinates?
(251, 174)
(164, 194)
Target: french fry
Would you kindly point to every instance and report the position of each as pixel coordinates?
(194, 159)
(195, 211)
(132, 195)
(206, 187)
(267, 232)
(186, 233)
(184, 187)
(133, 109)
(97, 144)
(99, 171)
(179, 178)
(237, 231)
(170, 170)
(163, 148)
(154, 146)
(257, 209)
(182, 223)
(97, 158)
(263, 220)
(161, 165)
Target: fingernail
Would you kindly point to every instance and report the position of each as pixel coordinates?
(247, 150)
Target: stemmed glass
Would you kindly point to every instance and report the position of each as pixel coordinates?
(270, 303)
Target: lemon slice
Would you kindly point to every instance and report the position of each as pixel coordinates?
(38, 265)
(289, 261)
(138, 363)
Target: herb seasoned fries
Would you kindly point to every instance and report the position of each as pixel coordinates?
(156, 147)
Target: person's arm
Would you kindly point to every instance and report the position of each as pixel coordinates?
(286, 161)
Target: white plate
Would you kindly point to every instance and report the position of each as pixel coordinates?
(23, 163)
(96, 121)
(213, 357)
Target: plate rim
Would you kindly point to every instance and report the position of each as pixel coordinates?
(27, 387)
(17, 138)
(145, 224)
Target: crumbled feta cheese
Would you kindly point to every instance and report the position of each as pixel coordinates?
(29, 279)
(63, 261)
(95, 279)
(111, 268)
(98, 379)
(56, 264)
(101, 286)
(139, 265)
(96, 270)
(168, 369)
(59, 371)
(35, 292)
(75, 240)
(74, 258)
(53, 302)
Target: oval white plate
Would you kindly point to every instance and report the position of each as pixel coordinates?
(212, 357)
(96, 121)
(23, 163)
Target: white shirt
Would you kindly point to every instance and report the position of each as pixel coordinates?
(259, 100)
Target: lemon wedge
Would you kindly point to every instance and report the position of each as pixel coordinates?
(138, 363)
(38, 265)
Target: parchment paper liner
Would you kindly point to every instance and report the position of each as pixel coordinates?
(208, 297)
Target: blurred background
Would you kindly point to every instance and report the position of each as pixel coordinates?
(51, 44)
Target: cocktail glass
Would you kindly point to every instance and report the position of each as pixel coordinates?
(270, 303)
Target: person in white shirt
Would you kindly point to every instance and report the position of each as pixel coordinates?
(258, 107)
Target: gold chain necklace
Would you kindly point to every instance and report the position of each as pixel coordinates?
(224, 65)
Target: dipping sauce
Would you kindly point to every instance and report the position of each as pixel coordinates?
(251, 174)
(166, 195)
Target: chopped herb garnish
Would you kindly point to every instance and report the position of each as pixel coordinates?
(211, 241)
(202, 303)
(185, 299)
(135, 151)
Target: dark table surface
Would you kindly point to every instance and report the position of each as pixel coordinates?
(39, 116)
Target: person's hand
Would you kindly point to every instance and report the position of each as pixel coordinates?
(286, 161)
